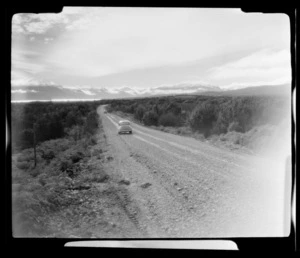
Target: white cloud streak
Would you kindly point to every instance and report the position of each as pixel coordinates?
(266, 66)
(21, 61)
(22, 91)
(88, 92)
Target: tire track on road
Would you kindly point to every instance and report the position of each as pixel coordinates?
(185, 148)
(186, 158)
(224, 197)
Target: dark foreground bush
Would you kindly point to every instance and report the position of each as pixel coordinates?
(168, 119)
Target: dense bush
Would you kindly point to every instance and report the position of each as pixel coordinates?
(91, 123)
(203, 117)
(150, 118)
(206, 115)
(65, 163)
(168, 119)
(241, 114)
(174, 108)
(51, 121)
(139, 113)
(48, 155)
(234, 126)
(75, 132)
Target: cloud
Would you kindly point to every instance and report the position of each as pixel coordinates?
(234, 85)
(72, 18)
(76, 87)
(92, 45)
(113, 40)
(22, 91)
(21, 79)
(263, 66)
(79, 24)
(37, 23)
(185, 87)
(88, 92)
(27, 61)
(47, 40)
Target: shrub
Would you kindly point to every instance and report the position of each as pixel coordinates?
(65, 164)
(92, 140)
(168, 119)
(95, 177)
(139, 112)
(237, 141)
(56, 145)
(48, 155)
(74, 154)
(174, 108)
(221, 125)
(77, 156)
(184, 130)
(23, 165)
(75, 132)
(234, 126)
(42, 180)
(203, 117)
(91, 123)
(222, 138)
(150, 118)
(26, 155)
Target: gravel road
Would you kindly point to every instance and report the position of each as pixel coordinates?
(179, 187)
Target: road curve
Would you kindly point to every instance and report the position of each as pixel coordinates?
(184, 188)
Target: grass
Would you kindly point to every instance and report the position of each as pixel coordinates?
(63, 168)
(260, 139)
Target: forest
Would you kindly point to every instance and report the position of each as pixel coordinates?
(207, 115)
(36, 122)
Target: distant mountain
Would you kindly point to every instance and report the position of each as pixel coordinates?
(52, 92)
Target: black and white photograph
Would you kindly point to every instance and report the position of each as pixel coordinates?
(151, 123)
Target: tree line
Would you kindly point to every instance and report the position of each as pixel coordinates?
(206, 114)
(33, 123)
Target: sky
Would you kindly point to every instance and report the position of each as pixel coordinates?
(143, 49)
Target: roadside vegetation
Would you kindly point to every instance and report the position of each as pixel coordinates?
(231, 121)
(56, 149)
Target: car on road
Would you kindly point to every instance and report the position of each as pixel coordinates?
(124, 127)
